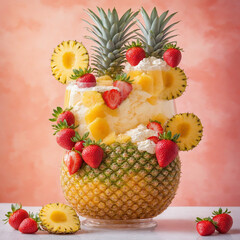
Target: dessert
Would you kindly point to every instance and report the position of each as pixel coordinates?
(126, 129)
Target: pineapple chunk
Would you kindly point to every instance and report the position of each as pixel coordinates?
(66, 99)
(91, 98)
(99, 128)
(160, 118)
(112, 112)
(152, 100)
(146, 82)
(110, 138)
(133, 74)
(104, 81)
(157, 76)
(94, 112)
(122, 138)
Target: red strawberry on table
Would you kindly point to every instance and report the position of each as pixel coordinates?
(135, 53)
(205, 226)
(73, 161)
(154, 139)
(166, 148)
(29, 225)
(79, 141)
(172, 56)
(223, 219)
(64, 134)
(112, 98)
(92, 153)
(155, 126)
(84, 78)
(124, 84)
(16, 216)
(60, 115)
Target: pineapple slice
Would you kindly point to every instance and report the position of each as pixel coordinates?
(174, 83)
(91, 98)
(123, 138)
(95, 112)
(104, 81)
(146, 82)
(110, 138)
(99, 128)
(189, 127)
(59, 218)
(67, 56)
(160, 118)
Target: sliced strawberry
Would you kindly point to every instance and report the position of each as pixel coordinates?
(154, 139)
(125, 88)
(73, 161)
(155, 126)
(112, 98)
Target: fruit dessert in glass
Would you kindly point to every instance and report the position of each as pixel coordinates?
(119, 125)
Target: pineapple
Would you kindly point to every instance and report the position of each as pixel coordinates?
(67, 56)
(110, 138)
(59, 218)
(104, 81)
(146, 82)
(99, 128)
(94, 112)
(91, 98)
(128, 184)
(160, 118)
(189, 127)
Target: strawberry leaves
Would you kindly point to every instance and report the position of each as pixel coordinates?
(79, 73)
(62, 125)
(220, 211)
(168, 136)
(78, 138)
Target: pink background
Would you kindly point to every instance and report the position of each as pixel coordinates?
(30, 158)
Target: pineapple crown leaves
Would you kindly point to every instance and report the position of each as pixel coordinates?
(110, 32)
(62, 125)
(134, 44)
(168, 136)
(123, 77)
(14, 208)
(78, 138)
(220, 211)
(172, 45)
(155, 32)
(79, 73)
(89, 142)
(198, 219)
(57, 112)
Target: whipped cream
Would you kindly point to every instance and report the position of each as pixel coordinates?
(148, 64)
(147, 145)
(140, 133)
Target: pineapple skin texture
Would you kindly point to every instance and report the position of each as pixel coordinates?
(128, 184)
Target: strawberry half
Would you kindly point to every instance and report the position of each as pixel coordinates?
(73, 161)
(64, 134)
(112, 98)
(154, 139)
(85, 78)
(79, 141)
(155, 126)
(124, 84)
(92, 153)
(166, 149)
(205, 226)
(135, 53)
(172, 56)
(60, 115)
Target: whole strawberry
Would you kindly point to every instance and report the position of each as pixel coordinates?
(73, 161)
(92, 153)
(223, 219)
(112, 98)
(205, 226)
(64, 134)
(135, 53)
(166, 149)
(16, 216)
(79, 141)
(172, 56)
(29, 225)
(84, 78)
(60, 115)
(124, 84)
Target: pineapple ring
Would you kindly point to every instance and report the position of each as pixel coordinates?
(189, 127)
(67, 56)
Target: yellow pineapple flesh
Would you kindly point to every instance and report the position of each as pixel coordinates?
(99, 128)
(91, 98)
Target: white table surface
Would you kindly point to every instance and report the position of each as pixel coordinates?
(175, 223)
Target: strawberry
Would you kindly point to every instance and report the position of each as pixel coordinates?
(155, 126)
(30, 225)
(154, 139)
(166, 148)
(124, 84)
(73, 161)
(205, 226)
(64, 134)
(79, 141)
(112, 98)
(85, 78)
(16, 216)
(92, 153)
(60, 115)
(172, 56)
(223, 219)
(135, 53)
